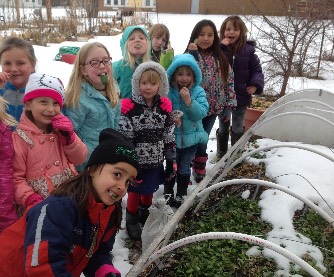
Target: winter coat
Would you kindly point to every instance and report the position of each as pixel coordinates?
(122, 71)
(14, 97)
(218, 95)
(54, 239)
(7, 210)
(92, 114)
(247, 72)
(41, 162)
(191, 131)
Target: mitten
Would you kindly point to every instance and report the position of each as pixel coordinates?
(126, 105)
(32, 200)
(65, 127)
(107, 271)
(166, 104)
(171, 169)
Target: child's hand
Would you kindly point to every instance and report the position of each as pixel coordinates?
(251, 90)
(4, 76)
(185, 95)
(65, 127)
(226, 41)
(178, 122)
(192, 46)
(126, 105)
(166, 104)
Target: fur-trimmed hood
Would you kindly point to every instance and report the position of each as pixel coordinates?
(164, 87)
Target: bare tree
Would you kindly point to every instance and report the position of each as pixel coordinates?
(48, 4)
(17, 8)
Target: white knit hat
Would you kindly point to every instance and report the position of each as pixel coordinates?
(42, 85)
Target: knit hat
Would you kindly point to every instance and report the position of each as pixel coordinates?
(113, 147)
(42, 85)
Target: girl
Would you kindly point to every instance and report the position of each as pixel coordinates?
(217, 82)
(7, 210)
(151, 129)
(18, 61)
(91, 101)
(248, 75)
(135, 46)
(187, 96)
(45, 145)
(161, 51)
(73, 230)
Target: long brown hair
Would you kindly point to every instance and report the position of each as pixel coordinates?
(80, 188)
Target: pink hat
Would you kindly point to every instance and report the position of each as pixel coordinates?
(42, 85)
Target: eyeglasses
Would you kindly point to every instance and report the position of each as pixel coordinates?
(97, 63)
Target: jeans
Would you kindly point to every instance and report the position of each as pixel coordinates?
(238, 117)
(208, 123)
(184, 157)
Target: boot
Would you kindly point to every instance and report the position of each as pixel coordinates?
(199, 168)
(169, 191)
(144, 213)
(132, 225)
(222, 145)
(182, 186)
(235, 137)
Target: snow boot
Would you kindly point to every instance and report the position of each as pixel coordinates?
(222, 145)
(144, 213)
(132, 225)
(199, 168)
(169, 191)
(235, 137)
(182, 186)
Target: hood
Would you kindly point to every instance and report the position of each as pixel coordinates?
(127, 32)
(164, 87)
(185, 60)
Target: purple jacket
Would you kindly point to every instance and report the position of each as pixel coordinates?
(7, 210)
(247, 72)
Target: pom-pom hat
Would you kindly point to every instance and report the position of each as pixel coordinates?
(42, 85)
(113, 148)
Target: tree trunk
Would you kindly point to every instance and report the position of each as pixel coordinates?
(17, 8)
(48, 4)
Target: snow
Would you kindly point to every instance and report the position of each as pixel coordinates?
(306, 173)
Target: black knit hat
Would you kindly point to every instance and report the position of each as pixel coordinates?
(113, 147)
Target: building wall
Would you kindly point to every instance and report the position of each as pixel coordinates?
(173, 6)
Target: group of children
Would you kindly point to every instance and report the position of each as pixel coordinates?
(75, 154)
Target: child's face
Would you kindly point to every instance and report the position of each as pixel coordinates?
(94, 58)
(137, 43)
(16, 62)
(184, 77)
(148, 88)
(43, 109)
(231, 32)
(159, 42)
(205, 38)
(111, 183)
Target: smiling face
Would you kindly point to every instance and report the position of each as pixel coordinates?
(93, 73)
(137, 43)
(206, 37)
(112, 181)
(17, 63)
(232, 32)
(43, 109)
(184, 77)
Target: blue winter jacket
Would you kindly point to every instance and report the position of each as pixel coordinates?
(91, 116)
(14, 97)
(191, 131)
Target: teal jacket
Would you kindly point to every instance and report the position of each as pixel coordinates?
(122, 71)
(191, 131)
(91, 116)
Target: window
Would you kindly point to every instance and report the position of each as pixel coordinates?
(109, 2)
(148, 3)
(123, 2)
(116, 2)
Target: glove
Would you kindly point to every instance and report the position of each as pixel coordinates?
(171, 169)
(65, 127)
(126, 105)
(166, 104)
(32, 200)
(107, 271)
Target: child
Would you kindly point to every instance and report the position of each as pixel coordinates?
(248, 76)
(92, 102)
(135, 46)
(217, 82)
(7, 210)
(187, 96)
(161, 51)
(45, 145)
(18, 61)
(73, 230)
(151, 129)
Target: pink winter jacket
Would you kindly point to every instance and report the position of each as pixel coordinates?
(41, 162)
(7, 210)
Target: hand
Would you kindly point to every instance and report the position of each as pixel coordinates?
(185, 95)
(4, 77)
(107, 271)
(166, 104)
(65, 127)
(171, 169)
(192, 46)
(251, 89)
(226, 41)
(126, 105)
(32, 200)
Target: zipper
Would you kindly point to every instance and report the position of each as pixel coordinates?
(94, 240)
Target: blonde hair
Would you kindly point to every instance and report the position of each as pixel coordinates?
(151, 76)
(4, 116)
(130, 59)
(73, 90)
